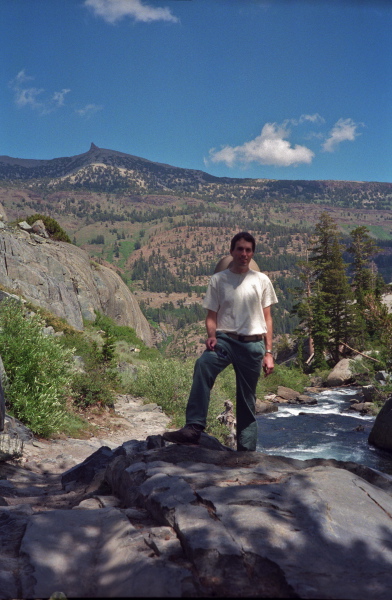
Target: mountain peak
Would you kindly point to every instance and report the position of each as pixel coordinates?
(93, 147)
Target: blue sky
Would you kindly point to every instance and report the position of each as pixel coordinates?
(281, 89)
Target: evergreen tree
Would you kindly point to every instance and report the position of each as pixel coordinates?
(363, 249)
(108, 348)
(330, 275)
(368, 286)
(327, 303)
(319, 326)
(302, 306)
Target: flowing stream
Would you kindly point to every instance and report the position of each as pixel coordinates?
(324, 430)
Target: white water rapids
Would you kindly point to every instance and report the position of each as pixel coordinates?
(324, 430)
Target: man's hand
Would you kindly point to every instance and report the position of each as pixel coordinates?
(268, 364)
(211, 330)
(211, 343)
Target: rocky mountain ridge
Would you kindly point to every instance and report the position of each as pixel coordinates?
(26, 169)
(107, 170)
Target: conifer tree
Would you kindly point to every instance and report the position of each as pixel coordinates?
(362, 249)
(319, 327)
(368, 286)
(328, 303)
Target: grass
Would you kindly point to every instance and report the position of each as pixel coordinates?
(124, 333)
(167, 382)
(285, 376)
(75, 426)
(126, 247)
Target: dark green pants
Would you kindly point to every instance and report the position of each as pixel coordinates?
(246, 358)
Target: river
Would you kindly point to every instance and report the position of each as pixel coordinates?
(324, 430)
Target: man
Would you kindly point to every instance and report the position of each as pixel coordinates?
(238, 301)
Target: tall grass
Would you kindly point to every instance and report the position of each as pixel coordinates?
(167, 382)
(38, 370)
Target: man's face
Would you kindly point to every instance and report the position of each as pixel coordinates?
(242, 254)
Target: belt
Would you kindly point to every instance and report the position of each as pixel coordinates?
(245, 338)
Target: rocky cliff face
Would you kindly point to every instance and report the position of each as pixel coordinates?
(64, 280)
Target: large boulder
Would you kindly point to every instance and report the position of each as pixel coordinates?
(39, 228)
(263, 408)
(290, 396)
(287, 393)
(94, 554)
(63, 279)
(188, 521)
(381, 433)
(341, 374)
(266, 526)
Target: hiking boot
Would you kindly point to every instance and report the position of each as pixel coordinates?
(189, 434)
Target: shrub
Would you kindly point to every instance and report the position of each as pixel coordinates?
(127, 334)
(97, 385)
(55, 231)
(38, 370)
(94, 388)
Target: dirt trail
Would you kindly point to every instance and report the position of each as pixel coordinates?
(131, 420)
(35, 478)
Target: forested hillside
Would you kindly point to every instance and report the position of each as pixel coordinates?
(164, 228)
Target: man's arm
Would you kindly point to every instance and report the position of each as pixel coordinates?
(211, 329)
(268, 361)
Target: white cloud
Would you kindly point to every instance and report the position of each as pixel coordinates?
(316, 118)
(88, 110)
(271, 147)
(58, 97)
(115, 10)
(343, 130)
(25, 95)
(31, 97)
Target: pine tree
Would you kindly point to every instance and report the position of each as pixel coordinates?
(368, 287)
(302, 306)
(363, 248)
(327, 304)
(319, 327)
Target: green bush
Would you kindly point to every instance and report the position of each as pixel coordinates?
(38, 370)
(94, 388)
(97, 385)
(55, 231)
(127, 334)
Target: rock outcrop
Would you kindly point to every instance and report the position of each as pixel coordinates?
(341, 373)
(381, 433)
(146, 520)
(63, 279)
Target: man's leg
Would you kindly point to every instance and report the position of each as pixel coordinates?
(247, 365)
(206, 370)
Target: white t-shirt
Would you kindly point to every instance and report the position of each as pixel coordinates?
(239, 299)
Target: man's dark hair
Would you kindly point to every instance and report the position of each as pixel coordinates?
(243, 235)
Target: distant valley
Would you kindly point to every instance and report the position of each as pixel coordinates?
(164, 228)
